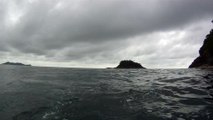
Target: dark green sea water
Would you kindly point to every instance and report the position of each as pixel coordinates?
(36, 93)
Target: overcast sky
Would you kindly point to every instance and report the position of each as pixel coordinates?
(100, 33)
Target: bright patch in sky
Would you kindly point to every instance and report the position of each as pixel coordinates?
(14, 14)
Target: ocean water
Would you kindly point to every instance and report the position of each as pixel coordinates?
(36, 93)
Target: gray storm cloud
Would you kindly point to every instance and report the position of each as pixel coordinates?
(101, 33)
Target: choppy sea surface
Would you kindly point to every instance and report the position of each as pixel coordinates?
(36, 93)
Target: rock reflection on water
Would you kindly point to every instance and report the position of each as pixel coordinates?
(100, 94)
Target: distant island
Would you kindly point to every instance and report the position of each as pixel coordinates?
(205, 60)
(128, 64)
(15, 63)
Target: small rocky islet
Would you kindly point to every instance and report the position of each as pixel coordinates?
(129, 64)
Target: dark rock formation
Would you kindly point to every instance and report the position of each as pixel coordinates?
(12, 63)
(205, 60)
(126, 64)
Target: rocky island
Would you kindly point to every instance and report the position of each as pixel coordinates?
(129, 64)
(205, 60)
(15, 63)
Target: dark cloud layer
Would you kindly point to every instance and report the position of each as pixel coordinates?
(99, 33)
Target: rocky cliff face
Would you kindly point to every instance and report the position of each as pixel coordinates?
(125, 64)
(205, 59)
